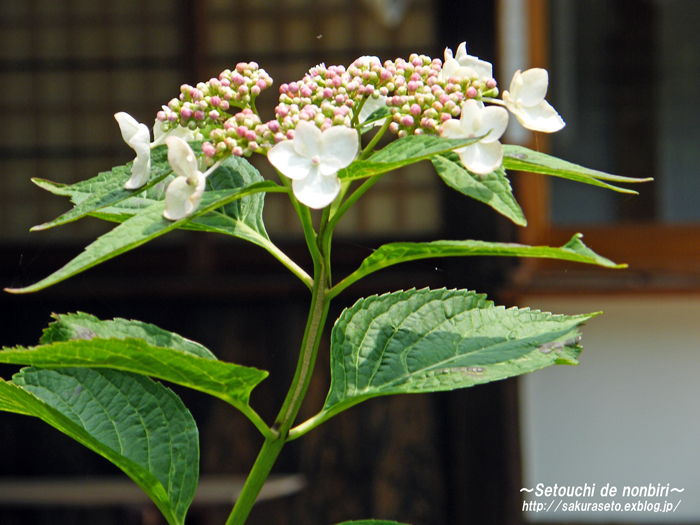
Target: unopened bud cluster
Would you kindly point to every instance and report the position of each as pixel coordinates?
(241, 135)
(329, 96)
(422, 98)
(207, 104)
(416, 91)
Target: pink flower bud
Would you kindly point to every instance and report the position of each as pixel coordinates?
(261, 84)
(238, 151)
(273, 126)
(472, 92)
(415, 110)
(172, 117)
(186, 113)
(407, 121)
(251, 136)
(293, 87)
(199, 115)
(208, 149)
(161, 116)
(215, 101)
(412, 86)
(224, 105)
(213, 114)
(255, 91)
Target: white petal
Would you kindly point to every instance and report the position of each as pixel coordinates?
(534, 88)
(307, 139)
(448, 54)
(316, 191)
(370, 106)
(339, 147)
(140, 171)
(182, 197)
(542, 117)
(470, 116)
(510, 103)
(482, 158)
(494, 121)
(461, 52)
(138, 137)
(452, 129)
(285, 158)
(515, 85)
(481, 67)
(128, 125)
(181, 157)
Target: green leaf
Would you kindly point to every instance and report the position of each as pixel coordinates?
(81, 340)
(399, 252)
(523, 159)
(145, 226)
(137, 424)
(68, 327)
(493, 189)
(434, 340)
(107, 189)
(402, 152)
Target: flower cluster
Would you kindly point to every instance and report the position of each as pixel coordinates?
(315, 132)
(207, 104)
(330, 96)
(241, 135)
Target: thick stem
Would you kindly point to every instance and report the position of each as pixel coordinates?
(256, 479)
(273, 445)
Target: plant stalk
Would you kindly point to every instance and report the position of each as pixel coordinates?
(302, 377)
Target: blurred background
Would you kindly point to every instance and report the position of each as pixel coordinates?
(623, 74)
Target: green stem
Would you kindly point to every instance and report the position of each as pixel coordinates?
(289, 263)
(256, 479)
(369, 148)
(302, 377)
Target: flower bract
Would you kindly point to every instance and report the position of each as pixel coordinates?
(526, 101)
(138, 137)
(484, 156)
(312, 160)
(184, 193)
(463, 65)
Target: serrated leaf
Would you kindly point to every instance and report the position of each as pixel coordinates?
(81, 340)
(107, 189)
(520, 158)
(402, 152)
(139, 425)
(399, 252)
(493, 189)
(145, 226)
(419, 341)
(68, 327)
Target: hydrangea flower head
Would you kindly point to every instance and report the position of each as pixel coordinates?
(312, 160)
(484, 156)
(526, 101)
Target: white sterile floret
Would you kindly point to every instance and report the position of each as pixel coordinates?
(138, 137)
(312, 160)
(370, 106)
(184, 193)
(526, 101)
(463, 65)
(484, 156)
